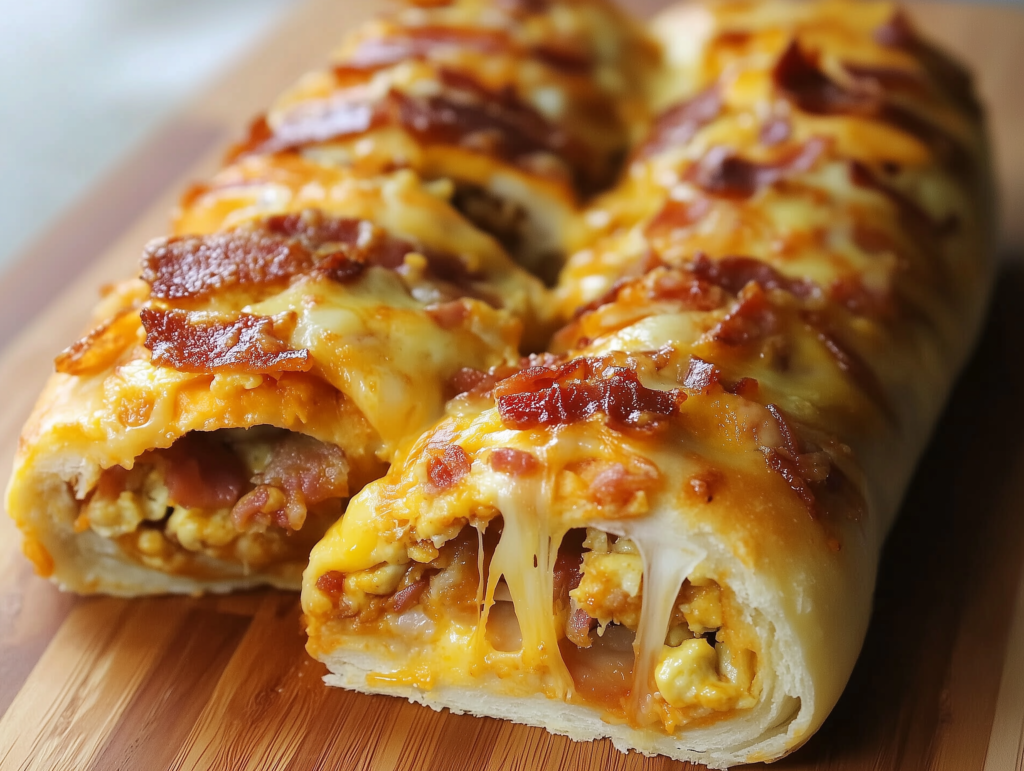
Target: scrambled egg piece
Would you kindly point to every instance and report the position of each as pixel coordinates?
(610, 588)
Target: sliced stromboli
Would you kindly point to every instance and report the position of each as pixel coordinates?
(666, 531)
(526, 107)
(270, 360)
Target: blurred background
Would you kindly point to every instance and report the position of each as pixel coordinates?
(82, 82)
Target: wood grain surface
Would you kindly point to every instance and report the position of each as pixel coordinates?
(224, 683)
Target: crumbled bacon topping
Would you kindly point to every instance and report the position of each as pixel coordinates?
(199, 266)
(733, 273)
(446, 465)
(798, 77)
(701, 375)
(407, 598)
(276, 250)
(751, 320)
(678, 124)
(723, 173)
(331, 583)
(577, 390)
(676, 215)
(517, 463)
(465, 113)
(197, 342)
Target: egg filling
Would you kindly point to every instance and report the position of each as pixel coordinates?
(444, 625)
(258, 497)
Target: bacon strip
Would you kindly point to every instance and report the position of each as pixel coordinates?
(797, 75)
(734, 273)
(701, 375)
(722, 173)
(201, 472)
(466, 114)
(678, 124)
(196, 342)
(542, 397)
(199, 266)
(447, 466)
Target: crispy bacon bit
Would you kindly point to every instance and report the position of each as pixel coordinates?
(198, 266)
(615, 484)
(332, 583)
(99, 349)
(340, 267)
(799, 78)
(851, 293)
(276, 250)
(317, 229)
(898, 32)
(684, 287)
(201, 472)
(197, 342)
(407, 598)
(701, 375)
(888, 78)
(447, 466)
(703, 484)
(662, 284)
(576, 391)
(724, 174)
(733, 273)
(676, 215)
(677, 125)
(751, 320)
(789, 470)
(797, 75)
(449, 315)
(516, 463)
(471, 115)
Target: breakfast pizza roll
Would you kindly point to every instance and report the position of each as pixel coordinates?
(666, 530)
(526, 107)
(269, 361)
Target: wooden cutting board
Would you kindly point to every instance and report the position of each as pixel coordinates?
(224, 683)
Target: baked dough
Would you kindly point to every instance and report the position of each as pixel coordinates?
(666, 530)
(321, 296)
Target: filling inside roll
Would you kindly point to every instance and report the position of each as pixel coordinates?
(259, 497)
(703, 669)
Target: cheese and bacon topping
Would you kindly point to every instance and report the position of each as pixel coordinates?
(525, 107)
(753, 328)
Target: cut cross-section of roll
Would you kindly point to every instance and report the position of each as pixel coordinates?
(325, 294)
(266, 365)
(666, 531)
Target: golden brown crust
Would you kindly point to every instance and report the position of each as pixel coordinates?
(761, 324)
